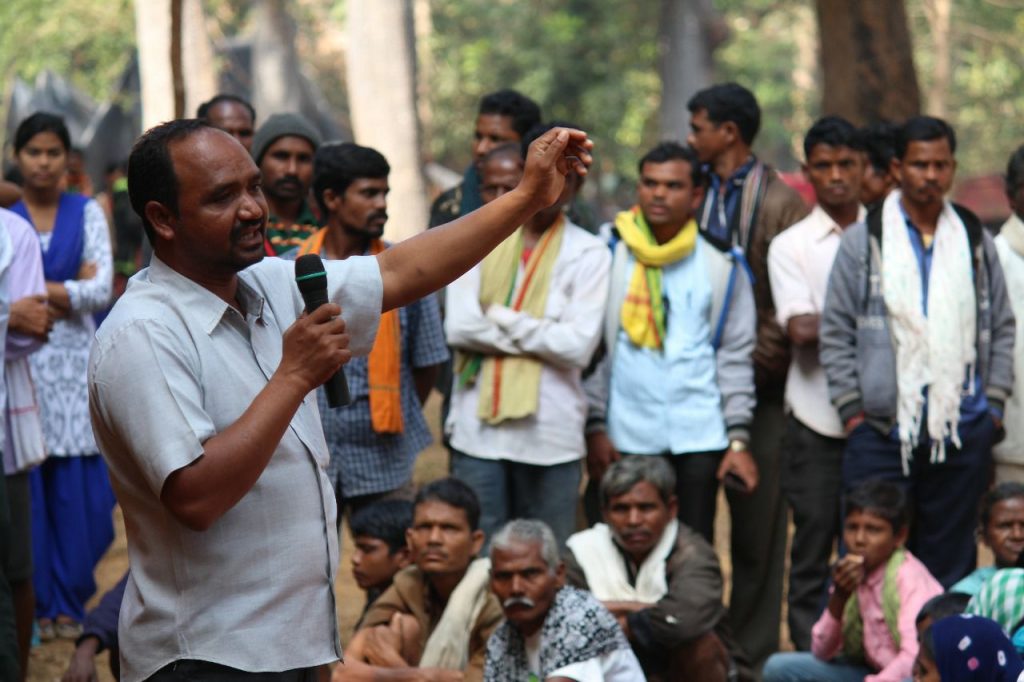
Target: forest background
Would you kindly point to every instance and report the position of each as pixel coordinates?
(405, 75)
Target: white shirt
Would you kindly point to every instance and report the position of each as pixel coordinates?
(620, 665)
(799, 262)
(172, 366)
(564, 340)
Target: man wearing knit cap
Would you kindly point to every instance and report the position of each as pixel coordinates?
(283, 148)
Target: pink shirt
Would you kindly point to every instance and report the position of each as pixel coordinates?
(799, 263)
(916, 586)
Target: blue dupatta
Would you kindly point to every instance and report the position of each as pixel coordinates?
(63, 259)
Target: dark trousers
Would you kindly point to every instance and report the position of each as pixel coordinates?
(943, 497)
(758, 543)
(204, 671)
(9, 669)
(812, 466)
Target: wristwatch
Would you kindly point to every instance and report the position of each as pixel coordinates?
(736, 445)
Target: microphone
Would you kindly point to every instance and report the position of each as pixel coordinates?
(311, 279)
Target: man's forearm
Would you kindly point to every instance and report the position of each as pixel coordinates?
(422, 264)
(234, 459)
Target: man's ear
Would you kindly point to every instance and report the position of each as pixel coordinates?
(162, 219)
(332, 200)
(673, 507)
(896, 170)
(402, 557)
(560, 574)
(478, 541)
(732, 130)
(901, 537)
(696, 199)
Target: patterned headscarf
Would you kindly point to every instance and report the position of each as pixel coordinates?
(974, 649)
(577, 628)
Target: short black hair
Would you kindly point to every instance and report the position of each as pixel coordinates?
(523, 111)
(204, 109)
(1006, 490)
(673, 151)
(454, 493)
(923, 129)
(834, 131)
(41, 122)
(151, 174)
(384, 520)
(880, 498)
(727, 102)
(878, 140)
(538, 130)
(338, 165)
(942, 606)
(1015, 170)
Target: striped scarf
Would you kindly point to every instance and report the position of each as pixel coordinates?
(510, 385)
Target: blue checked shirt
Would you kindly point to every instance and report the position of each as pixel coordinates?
(364, 462)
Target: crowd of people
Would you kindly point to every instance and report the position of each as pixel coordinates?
(848, 366)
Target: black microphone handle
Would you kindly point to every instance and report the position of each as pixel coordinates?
(337, 386)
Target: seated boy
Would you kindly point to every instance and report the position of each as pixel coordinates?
(1001, 528)
(867, 632)
(378, 531)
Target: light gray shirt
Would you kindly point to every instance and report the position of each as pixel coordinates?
(172, 366)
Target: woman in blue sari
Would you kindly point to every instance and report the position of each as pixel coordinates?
(72, 500)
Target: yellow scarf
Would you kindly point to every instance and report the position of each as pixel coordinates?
(643, 309)
(510, 386)
(384, 365)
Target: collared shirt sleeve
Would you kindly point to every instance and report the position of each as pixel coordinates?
(425, 335)
(90, 295)
(144, 370)
(26, 279)
(827, 635)
(355, 284)
(465, 324)
(791, 291)
(570, 340)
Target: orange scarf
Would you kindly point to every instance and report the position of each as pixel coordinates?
(384, 372)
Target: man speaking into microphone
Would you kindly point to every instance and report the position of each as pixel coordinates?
(200, 394)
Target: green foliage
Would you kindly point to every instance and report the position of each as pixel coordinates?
(90, 42)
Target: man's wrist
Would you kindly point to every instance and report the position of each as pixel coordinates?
(738, 445)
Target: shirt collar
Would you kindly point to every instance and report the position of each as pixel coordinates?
(825, 226)
(202, 302)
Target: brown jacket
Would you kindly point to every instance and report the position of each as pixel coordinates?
(692, 607)
(780, 208)
(411, 593)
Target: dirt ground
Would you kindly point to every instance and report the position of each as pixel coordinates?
(48, 661)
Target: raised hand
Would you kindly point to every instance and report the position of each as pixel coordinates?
(551, 157)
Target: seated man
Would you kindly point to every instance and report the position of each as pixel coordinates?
(1001, 528)
(378, 531)
(435, 618)
(868, 630)
(551, 632)
(659, 578)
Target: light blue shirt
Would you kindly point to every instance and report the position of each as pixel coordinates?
(668, 400)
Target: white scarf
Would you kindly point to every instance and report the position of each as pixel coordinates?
(605, 567)
(24, 427)
(448, 645)
(936, 351)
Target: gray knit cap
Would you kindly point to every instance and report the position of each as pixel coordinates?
(280, 125)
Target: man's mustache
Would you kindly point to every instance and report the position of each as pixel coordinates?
(379, 215)
(288, 181)
(525, 602)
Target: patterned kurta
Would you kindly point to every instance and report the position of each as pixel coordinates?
(59, 368)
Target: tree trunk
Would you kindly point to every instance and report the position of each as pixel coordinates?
(161, 80)
(867, 60)
(198, 59)
(275, 65)
(685, 43)
(382, 86)
(940, 20)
